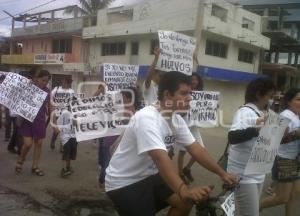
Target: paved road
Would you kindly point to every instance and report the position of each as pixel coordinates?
(59, 194)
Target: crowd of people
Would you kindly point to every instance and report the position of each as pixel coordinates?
(136, 167)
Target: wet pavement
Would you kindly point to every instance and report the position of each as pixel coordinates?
(79, 194)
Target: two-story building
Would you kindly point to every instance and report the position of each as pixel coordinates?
(281, 23)
(229, 41)
(47, 41)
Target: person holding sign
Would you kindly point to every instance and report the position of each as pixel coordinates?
(185, 172)
(287, 177)
(60, 97)
(150, 86)
(242, 137)
(34, 132)
(141, 178)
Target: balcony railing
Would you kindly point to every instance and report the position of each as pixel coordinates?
(43, 58)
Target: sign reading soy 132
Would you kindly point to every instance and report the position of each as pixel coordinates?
(177, 52)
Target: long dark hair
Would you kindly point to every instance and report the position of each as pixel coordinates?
(200, 82)
(289, 96)
(258, 87)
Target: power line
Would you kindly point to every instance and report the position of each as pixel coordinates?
(29, 9)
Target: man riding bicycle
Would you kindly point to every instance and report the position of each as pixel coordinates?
(141, 178)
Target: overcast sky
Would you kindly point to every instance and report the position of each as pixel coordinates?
(16, 7)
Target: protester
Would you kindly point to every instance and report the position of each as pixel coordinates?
(242, 136)
(65, 124)
(60, 97)
(150, 86)
(141, 178)
(2, 77)
(185, 172)
(287, 186)
(131, 104)
(34, 132)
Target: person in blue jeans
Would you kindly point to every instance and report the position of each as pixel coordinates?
(131, 104)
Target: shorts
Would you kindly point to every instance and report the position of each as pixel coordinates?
(285, 170)
(70, 150)
(143, 198)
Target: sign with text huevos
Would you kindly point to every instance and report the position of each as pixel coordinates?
(21, 96)
(266, 146)
(120, 76)
(203, 109)
(177, 52)
(98, 116)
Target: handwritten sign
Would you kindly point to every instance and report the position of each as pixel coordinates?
(21, 96)
(266, 146)
(203, 109)
(99, 116)
(120, 76)
(229, 206)
(177, 52)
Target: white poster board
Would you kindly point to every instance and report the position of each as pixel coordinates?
(21, 96)
(120, 76)
(229, 205)
(203, 109)
(98, 117)
(177, 52)
(266, 146)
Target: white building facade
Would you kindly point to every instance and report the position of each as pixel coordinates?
(229, 42)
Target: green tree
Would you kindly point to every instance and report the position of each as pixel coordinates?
(89, 8)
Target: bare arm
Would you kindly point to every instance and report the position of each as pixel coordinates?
(202, 156)
(151, 70)
(169, 173)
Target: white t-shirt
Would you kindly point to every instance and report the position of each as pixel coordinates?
(61, 98)
(196, 134)
(147, 130)
(239, 153)
(67, 131)
(290, 150)
(150, 94)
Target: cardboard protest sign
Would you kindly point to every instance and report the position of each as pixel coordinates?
(120, 76)
(229, 206)
(98, 117)
(177, 52)
(266, 146)
(203, 109)
(21, 96)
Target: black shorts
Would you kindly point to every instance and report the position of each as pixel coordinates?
(70, 150)
(143, 198)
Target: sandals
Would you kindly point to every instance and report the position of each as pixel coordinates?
(19, 167)
(37, 172)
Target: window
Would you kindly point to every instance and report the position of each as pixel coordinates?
(248, 24)
(154, 44)
(62, 46)
(246, 56)
(273, 25)
(110, 49)
(219, 12)
(216, 49)
(134, 48)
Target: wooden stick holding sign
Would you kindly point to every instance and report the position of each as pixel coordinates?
(177, 51)
(21, 96)
(266, 146)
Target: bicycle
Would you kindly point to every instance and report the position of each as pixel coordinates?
(213, 206)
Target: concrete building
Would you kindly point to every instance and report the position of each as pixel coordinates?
(47, 41)
(229, 48)
(281, 23)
